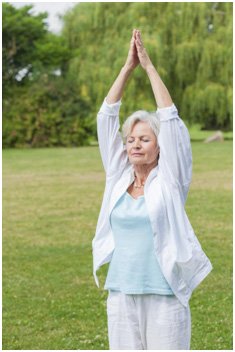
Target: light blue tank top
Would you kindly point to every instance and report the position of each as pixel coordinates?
(134, 268)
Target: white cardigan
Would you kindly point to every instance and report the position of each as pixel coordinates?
(181, 258)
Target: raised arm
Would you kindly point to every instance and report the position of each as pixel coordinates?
(175, 160)
(116, 91)
(162, 96)
(111, 146)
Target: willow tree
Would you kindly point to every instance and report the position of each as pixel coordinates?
(190, 43)
(204, 64)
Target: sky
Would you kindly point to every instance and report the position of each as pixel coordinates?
(53, 9)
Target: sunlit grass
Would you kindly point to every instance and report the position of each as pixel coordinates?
(51, 201)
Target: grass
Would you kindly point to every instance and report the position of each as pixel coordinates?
(197, 134)
(51, 201)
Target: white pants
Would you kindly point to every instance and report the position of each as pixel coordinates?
(147, 322)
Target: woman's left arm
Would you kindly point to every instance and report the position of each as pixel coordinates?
(174, 139)
(162, 96)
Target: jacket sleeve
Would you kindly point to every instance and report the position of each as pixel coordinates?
(112, 150)
(175, 149)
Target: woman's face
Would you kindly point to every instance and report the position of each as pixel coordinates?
(141, 144)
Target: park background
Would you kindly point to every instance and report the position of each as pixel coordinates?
(53, 179)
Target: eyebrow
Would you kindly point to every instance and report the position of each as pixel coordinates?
(144, 135)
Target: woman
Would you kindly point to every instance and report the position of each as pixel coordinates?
(155, 258)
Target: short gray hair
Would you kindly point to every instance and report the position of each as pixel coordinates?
(141, 115)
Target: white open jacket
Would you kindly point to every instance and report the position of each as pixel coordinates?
(180, 256)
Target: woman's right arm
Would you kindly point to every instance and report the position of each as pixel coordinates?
(116, 91)
(111, 146)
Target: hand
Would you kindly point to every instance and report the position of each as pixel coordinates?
(141, 52)
(132, 59)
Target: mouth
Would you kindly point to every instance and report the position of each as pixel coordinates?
(137, 154)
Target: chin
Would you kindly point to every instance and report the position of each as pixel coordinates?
(137, 162)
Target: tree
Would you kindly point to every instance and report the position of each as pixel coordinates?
(53, 85)
(41, 106)
(28, 47)
(191, 44)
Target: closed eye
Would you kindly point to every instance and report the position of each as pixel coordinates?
(142, 139)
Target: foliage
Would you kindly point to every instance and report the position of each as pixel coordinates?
(28, 46)
(41, 106)
(20, 32)
(41, 120)
(190, 43)
(53, 85)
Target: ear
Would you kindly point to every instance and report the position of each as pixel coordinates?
(158, 152)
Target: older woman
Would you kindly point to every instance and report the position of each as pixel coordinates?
(155, 258)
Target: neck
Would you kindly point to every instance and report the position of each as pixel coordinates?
(142, 171)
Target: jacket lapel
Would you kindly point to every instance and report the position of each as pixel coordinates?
(120, 188)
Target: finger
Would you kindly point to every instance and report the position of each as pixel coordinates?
(132, 37)
(135, 34)
(138, 42)
(139, 47)
(139, 39)
(132, 42)
(139, 36)
(135, 31)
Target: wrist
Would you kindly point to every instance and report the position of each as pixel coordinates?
(150, 68)
(127, 69)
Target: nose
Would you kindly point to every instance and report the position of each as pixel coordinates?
(136, 144)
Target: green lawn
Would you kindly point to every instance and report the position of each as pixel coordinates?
(51, 201)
